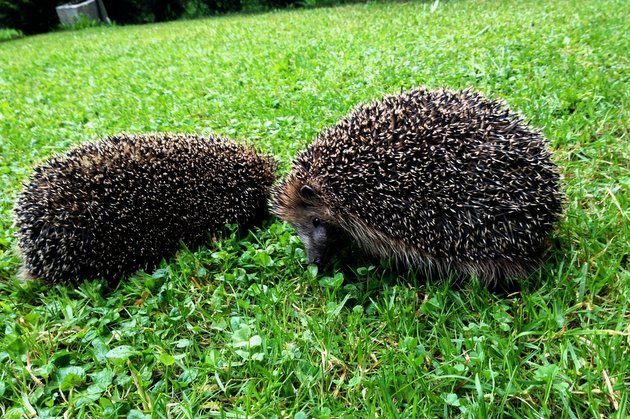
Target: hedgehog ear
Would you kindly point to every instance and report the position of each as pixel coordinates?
(309, 195)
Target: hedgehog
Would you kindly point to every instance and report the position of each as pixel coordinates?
(446, 181)
(111, 207)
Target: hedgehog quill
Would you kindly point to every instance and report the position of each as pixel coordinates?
(109, 208)
(449, 182)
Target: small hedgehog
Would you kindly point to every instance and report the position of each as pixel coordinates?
(449, 182)
(111, 207)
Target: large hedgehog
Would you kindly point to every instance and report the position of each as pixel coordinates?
(111, 207)
(447, 181)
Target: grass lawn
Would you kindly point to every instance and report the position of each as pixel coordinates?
(243, 327)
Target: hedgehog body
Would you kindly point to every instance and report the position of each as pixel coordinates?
(447, 181)
(111, 207)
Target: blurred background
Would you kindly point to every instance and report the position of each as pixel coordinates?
(37, 16)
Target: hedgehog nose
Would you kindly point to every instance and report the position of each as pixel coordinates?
(317, 261)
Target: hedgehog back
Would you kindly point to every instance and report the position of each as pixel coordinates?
(449, 179)
(109, 208)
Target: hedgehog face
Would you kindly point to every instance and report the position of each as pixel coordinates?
(313, 227)
(304, 209)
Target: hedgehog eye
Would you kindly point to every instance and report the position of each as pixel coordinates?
(316, 222)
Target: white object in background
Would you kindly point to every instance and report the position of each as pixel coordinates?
(70, 13)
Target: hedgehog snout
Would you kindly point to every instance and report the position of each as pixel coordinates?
(315, 247)
(319, 239)
(318, 261)
(316, 258)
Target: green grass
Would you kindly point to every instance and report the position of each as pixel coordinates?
(242, 327)
(9, 34)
